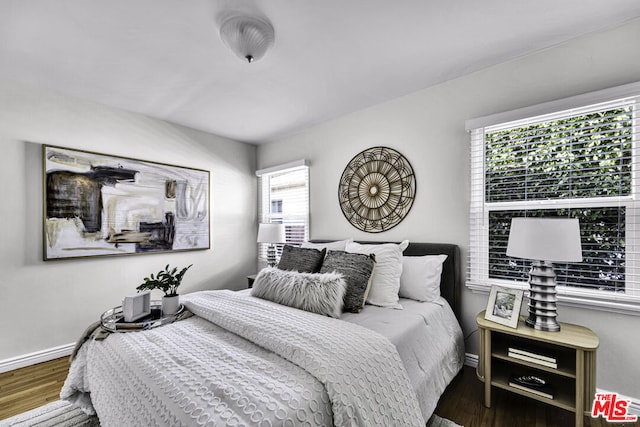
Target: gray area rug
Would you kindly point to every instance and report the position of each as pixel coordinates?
(59, 414)
(63, 414)
(436, 421)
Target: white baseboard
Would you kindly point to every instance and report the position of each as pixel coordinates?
(471, 360)
(36, 357)
(634, 405)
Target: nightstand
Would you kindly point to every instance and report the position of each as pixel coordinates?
(250, 279)
(572, 351)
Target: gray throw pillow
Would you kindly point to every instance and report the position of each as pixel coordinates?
(303, 260)
(356, 270)
(314, 292)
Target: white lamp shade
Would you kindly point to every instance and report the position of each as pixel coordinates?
(545, 239)
(271, 233)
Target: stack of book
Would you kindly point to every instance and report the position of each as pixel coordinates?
(532, 384)
(533, 356)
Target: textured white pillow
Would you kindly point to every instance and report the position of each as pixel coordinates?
(420, 279)
(385, 281)
(338, 245)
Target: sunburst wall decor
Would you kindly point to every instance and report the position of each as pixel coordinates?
(377, 189)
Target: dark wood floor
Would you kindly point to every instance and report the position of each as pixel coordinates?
(33, 386)
(463, 403)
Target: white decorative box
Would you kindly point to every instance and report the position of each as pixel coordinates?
(136, 306)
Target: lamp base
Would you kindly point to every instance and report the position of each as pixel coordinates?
(271, 256)
(542, 298)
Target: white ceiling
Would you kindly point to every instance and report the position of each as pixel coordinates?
(165, 59)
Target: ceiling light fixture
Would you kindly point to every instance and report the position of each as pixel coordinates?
(248, 37)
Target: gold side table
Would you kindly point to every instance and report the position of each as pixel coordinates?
(574, 349)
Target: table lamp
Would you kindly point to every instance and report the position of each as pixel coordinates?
(271, 233)
(543, 241)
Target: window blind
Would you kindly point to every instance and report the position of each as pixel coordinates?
(283, 193)
(580, 162)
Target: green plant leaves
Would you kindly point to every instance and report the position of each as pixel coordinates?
(165, 280)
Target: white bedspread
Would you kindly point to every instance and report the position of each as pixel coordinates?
(428, 339)
(245, 361)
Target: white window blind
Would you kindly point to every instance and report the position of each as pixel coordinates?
(284, 199)
(580, 162)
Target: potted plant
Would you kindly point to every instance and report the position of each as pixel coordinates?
(167, 281)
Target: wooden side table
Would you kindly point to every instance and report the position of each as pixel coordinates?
(574, 349)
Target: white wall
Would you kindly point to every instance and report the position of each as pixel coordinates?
(48, 304)
(428, 128)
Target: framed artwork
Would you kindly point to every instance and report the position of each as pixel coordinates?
(377, 189)
(504, 306)
(100, 205)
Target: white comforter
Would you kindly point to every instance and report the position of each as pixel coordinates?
(244, 361)
(428, 339)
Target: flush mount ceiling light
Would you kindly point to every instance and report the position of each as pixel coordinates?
(248, 37)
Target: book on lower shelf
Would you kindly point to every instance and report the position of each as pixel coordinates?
(533, 356)
(533, 352)
(532, 384)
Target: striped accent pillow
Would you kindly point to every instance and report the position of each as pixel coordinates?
(357, 271)
(302, 260)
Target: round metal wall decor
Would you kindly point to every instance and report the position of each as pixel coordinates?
(377, 189)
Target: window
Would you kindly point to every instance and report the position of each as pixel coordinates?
(573, 158)
(276, 206)
(284, 199)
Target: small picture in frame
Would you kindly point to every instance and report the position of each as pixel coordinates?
(136, 306)
(504, 306)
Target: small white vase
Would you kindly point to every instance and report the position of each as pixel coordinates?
(170, 304)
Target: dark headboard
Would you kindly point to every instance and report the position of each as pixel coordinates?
(451, 280)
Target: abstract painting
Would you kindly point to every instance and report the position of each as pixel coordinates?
(98, 204)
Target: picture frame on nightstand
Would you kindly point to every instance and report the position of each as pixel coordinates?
(136, 306)
(504, 306)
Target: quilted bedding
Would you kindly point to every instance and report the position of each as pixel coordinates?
(244, 361)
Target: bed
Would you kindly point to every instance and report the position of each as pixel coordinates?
(244, 360)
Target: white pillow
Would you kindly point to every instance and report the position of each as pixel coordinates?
(420, 279)
(385, 281)
(338, 245)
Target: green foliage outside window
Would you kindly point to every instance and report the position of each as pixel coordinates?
(580, 157)
(603, 248)
(577, 157)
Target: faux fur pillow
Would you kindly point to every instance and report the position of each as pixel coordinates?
(314, 292)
